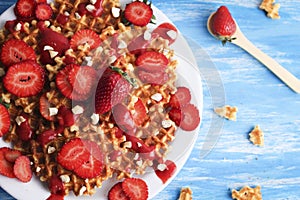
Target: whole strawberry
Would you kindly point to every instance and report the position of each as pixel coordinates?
(112, 88)
(222, 24)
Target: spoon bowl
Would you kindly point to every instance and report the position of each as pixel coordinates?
(239, 39)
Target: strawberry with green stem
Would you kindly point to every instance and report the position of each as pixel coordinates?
(112, 88)
(223, 25)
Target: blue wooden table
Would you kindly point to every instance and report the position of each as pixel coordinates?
(238, 79)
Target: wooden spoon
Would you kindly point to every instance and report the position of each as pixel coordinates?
(241, 41)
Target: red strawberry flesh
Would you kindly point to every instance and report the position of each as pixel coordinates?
(138, 13)
(22, 169)
(6, 167)
(152, 61)
(191, 118)
(12, 155)
(93, 166)
(135, 188)
(165, 30)
(4, 120)
(43, 11)
(181, 97)
(24, 79)
(140, 113)
(73, 154)
(168, 172)
(25, 8)
(85, 36)
(54, 40)
(222, 24)
(117, 193)
(14, 51)
(112, 88)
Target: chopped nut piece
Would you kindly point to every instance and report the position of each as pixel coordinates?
(77, 110)
(257, 136)
(95, 118)
(115, 12)
(65, 178)
(271, 8)
(247, 193)
(20, 120)
(185, 194)
(227, 112)
(161, 167)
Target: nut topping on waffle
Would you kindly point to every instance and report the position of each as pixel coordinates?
(88, 93)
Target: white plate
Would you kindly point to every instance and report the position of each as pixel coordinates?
(188, 75)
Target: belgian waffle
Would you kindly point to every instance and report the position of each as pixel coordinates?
(158, 129)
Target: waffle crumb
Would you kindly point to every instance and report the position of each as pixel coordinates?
(228, 112)
(247, 193)
(257, 136)
(271, 8)
(185, 194)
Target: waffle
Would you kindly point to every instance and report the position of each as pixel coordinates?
(247, 193)
(157, 130)
(257, 136)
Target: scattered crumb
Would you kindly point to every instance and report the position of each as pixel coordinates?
(247, 193)
(185, 194)
(227, 112)
(271, 8)
(257, 136)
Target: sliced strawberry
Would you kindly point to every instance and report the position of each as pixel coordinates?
(6, 167)
(43, 11)
(140, 113)
(181, 97)
(152, 61)
(44, 108)
(138, 145)
(166, 31)
(65, 117)
(24, 79)
(11, 25)
(191, 117)
(93, 166)
(117, 193)
(97, 12)
(14, 51)
(57, 41)
(168, 172)
(46, 136)
(176, 116)
(22, 169)
(73, 154)
(135, 188)
(64, 85)
(82, 78)
(123, 118)
(62, 19)
(56, 197)
(24, 130)
(138, 13)
(156, 78)
(12, 155)
(25, 8)
(85, 36)
(56, 186)
(4, 120)
(41, 1)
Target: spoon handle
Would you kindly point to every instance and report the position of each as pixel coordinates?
(287, 77)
